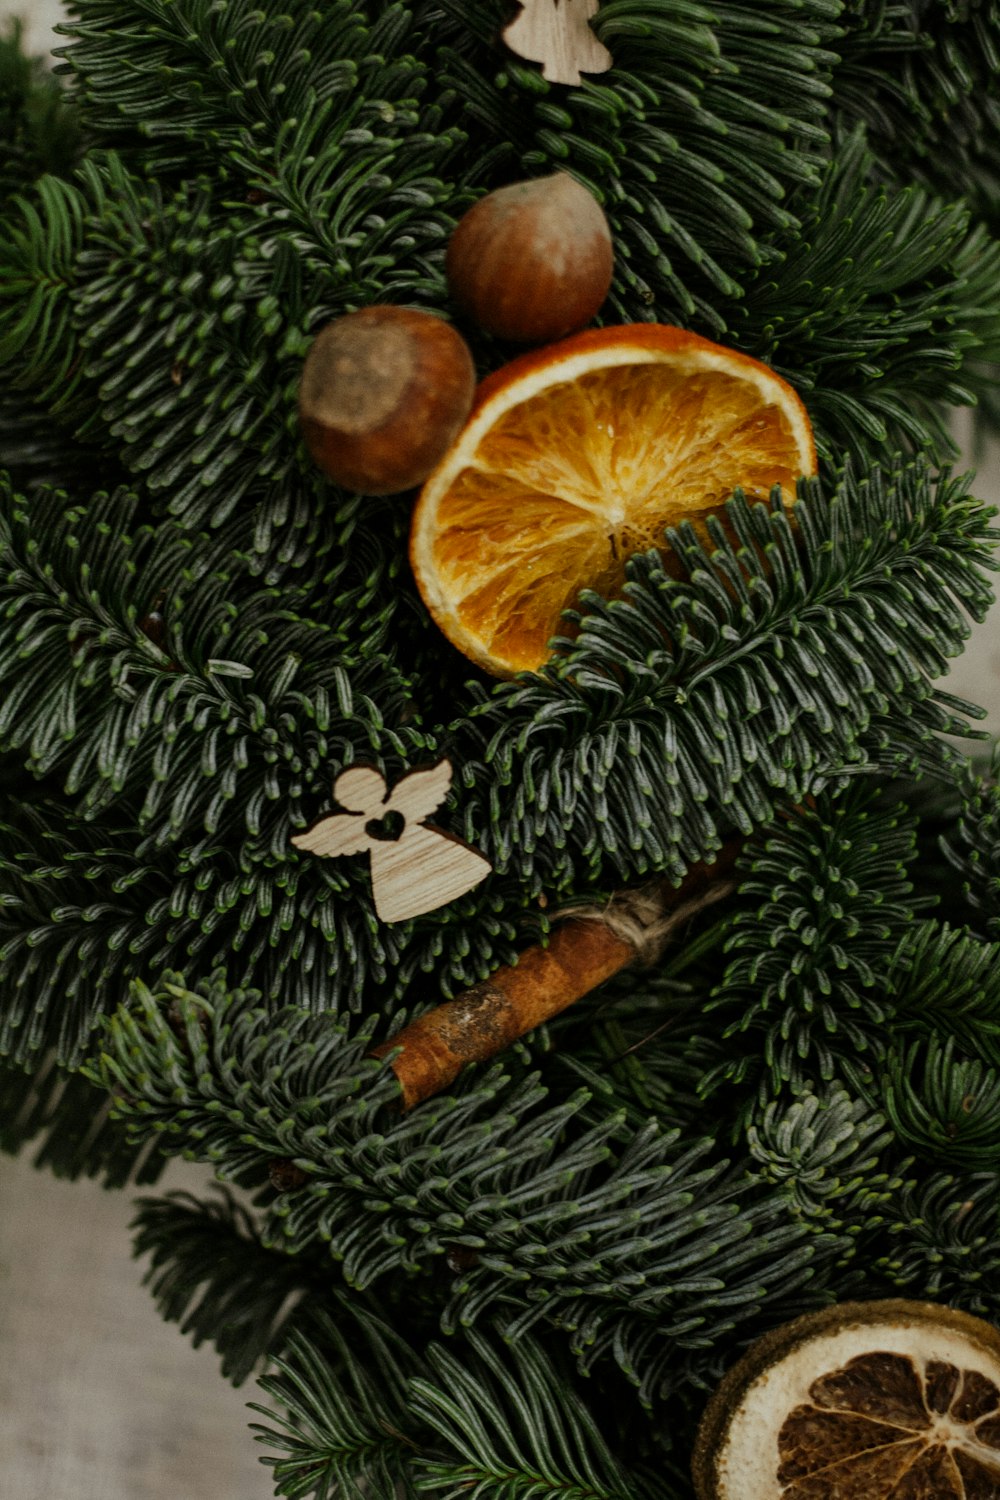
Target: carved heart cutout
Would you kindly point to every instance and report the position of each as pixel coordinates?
(386, 829)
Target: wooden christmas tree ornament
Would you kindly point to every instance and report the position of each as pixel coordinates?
(415, 868)
(889, 1400)
(557, 34)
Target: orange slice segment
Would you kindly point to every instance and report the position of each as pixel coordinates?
(577, 455)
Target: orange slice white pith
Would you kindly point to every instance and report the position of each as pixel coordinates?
(577, 455)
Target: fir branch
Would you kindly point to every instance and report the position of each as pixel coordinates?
(39, 351)
(946, 981)
(85, 578)
(874, 308)
(806, 987)
(366, 1412)
(924, 80)
(941, 1241)
(78, 1137)
(643, 1045)
(596, 1225)
(944, 1106)
(973, 847)
(198, 83)
(347, 1430)
(826, 1152)
(38, 133)
(209, 1274)
(512, 1431)
(72, 926)
(794, 649)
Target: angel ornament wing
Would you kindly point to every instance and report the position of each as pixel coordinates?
(557, 33)
(415, 869)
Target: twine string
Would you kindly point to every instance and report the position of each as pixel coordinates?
(645, 918)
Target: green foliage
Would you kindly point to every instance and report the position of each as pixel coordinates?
(791, 651)
(924, 79)
(71, 922)
(973, 846)
(38, 133)
(66, 1122)
(633, 1242)
(209, 1274)
(710, 118)
(947, 981)
(643, 1044)
(366, 1413)
(945, 1107)
(877, 310)
(807, 976)
(198, 632)
(943, 1241)
(346, 1429)
(515, 1433)
(38, 250)
(825, 1153)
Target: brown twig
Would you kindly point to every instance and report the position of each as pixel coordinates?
(588, 947)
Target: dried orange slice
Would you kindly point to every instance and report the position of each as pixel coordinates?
(579, 454)
(864, 1401)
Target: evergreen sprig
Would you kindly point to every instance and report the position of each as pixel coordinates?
(945, 980)
(792, 649)
(634, 1243)
(346, 1429)
(923, 77)
(38, 248)
(942, 1241)
(973, 846)
(209, 1274)
(508, 1435)
(878, 310)
(826, 1151)
(943, 1105)
(66, 1122)
(37, 131)
(364, 1412)
(831, 896)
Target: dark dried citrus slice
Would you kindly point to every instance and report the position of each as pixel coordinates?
(864, 1401)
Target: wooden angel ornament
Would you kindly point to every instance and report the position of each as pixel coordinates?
(415, 868)
(557, 34)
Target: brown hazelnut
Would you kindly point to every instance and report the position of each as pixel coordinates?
(384, 392)
(532, 261)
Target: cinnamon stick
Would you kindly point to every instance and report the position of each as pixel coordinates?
(581, 954)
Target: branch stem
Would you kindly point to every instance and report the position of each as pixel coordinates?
(588, 947)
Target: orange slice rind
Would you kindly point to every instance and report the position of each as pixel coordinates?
(580, 454)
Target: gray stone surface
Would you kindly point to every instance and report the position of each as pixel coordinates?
(99, 1398)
